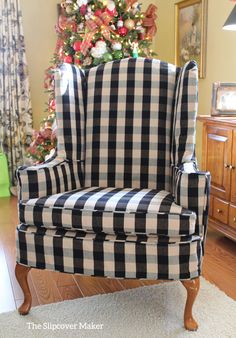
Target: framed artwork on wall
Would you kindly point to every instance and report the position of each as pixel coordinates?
(223, 99)
(190, 33)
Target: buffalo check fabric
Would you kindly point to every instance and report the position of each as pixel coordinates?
(70, 95)
(113, 256)
(128, 128)
(111, 210)
(191, 190)
(50, 178)
(123, 198)
(184, 115)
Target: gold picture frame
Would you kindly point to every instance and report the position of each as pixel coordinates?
(190, 33)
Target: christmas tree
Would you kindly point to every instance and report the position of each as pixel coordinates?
(91, 32)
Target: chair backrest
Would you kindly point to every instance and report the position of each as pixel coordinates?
(140, 120)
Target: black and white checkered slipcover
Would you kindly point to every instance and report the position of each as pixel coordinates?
(124, 197)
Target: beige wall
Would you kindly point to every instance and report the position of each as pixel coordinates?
(221, 49)
(39, 18)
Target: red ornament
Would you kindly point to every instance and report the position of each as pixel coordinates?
(68, 59)
(83, 9)
(77, 61)
(77, 45)
(122, 31)
(52, 104)
(98, 12)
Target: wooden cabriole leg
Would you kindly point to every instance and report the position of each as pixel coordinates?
(21, 273)
(192, 287)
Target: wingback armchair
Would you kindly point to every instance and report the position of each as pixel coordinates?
(123, 197)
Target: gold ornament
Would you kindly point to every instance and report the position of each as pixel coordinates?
(69, 9)
(129, 24)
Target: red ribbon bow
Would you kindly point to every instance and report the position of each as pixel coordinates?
(149, 21)
(93, 26)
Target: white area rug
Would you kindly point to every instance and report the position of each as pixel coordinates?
(149, 311)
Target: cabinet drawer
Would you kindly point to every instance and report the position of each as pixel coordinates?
(220, 210)
(232, 216)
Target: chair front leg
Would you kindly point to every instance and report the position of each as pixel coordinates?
(21, 273)
(192, 287)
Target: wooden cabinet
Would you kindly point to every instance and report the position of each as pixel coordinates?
(219, 157)
(233, 169)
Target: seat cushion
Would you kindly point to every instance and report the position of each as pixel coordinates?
(110, 210)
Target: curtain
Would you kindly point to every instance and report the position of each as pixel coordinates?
(15, 103)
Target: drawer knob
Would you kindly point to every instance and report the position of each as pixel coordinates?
(219, 211)
(231, 167)
(226, 165)
(234, 219)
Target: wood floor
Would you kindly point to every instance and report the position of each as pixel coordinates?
(219, 267)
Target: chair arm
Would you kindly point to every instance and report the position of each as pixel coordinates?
(52, 177)
(191, 189)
